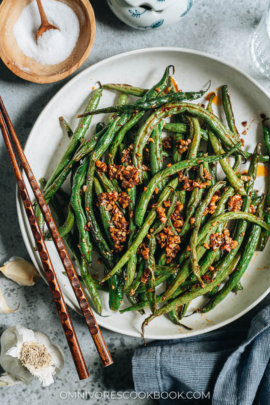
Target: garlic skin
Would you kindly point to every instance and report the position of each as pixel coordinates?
(4, 308)
(7, 380)
(26, 354)
(20, 271)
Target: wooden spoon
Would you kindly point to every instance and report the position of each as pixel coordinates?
(45, 25)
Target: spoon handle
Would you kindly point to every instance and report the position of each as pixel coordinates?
(44, 19)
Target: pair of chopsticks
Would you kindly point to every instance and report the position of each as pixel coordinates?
(8, 131)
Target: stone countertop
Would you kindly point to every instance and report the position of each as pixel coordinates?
(223, 29)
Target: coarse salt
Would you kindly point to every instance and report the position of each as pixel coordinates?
(53, 46)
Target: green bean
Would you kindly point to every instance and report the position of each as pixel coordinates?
(165, 154)
(176, 314)
(211, 293)
(186, 164)
(146, 178)
(155, 150)
(239, 234)
(145, 105)
(105, 215)
(126, 89)
(158, 87)
(123, 98)
(183, 274)
(115, 298)
(246, 256)
(121, 101)
(162, 270)
(146, 94)
(182, 129)
(90, 285)
(196, 139)
(194, 237)
(237, 162)
(265, 234)
(158, 280)
(79, 133)
(96, 233)
(87, 147)
(99, 127)
(132, 263)
(206, 262)
(161, 261)
(120, 136)
(66, 227)
(70, 240)
(76, 203)
(266, 136)
(108, 134)
(187, 297)
(64, 123)
(144, 229)
(263, 158)
(106, 183)
(223, 133)
(231, 268)
(229, 216)
(195, 199)
(115, 289)
(176, 157)
(134, 300)
(159, 226)
(141, 305)
(228, 110)
(235, 182)
(58, 182)
(137, 280)
(150, 268)
(237, 287)
(143, 136)
(171, 109)
(220, 208)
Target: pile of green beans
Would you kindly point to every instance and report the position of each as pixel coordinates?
(174, 203)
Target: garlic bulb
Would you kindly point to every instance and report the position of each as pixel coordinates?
(20, 271)
(4, 308)
(26, 354)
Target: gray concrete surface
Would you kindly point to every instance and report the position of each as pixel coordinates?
(221, 28)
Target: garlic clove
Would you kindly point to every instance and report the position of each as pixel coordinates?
(20, 271)
(4, 308)
(8, 380)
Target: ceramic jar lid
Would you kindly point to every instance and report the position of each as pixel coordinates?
(156, 5)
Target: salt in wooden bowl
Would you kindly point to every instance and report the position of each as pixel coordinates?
(28, 68)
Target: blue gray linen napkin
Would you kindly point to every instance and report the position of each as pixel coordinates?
(230, 366)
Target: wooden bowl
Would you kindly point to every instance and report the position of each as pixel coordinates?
(31, 70)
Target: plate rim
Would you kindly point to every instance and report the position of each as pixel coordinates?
(23, 229)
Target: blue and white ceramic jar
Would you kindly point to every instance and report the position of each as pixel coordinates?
(150, 14)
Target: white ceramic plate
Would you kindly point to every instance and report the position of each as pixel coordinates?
(47, 142)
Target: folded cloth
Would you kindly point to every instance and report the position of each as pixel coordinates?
(229, 366)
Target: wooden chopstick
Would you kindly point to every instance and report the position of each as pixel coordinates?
(48, 268)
